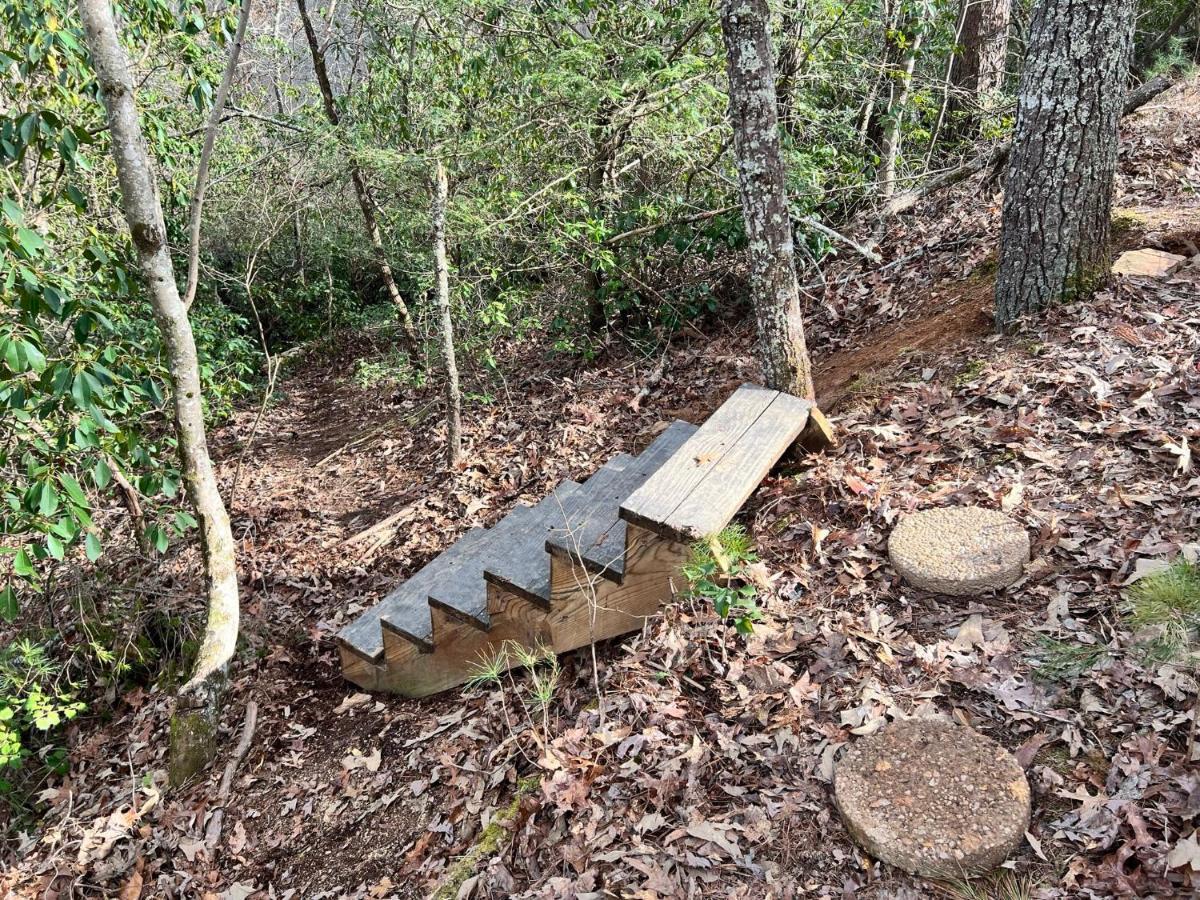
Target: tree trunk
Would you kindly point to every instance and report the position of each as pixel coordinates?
(752, 112)
(366, 200)
(890, 151)
(196, 208)
(978, 72)
(441, 193)
(194, 722)
(1058, 194)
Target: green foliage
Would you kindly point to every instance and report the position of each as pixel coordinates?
(716, 572)
(34, 703)
(83, 386)
(1066, 660)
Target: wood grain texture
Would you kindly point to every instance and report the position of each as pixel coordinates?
(653, 503)
(705, 483)
(460, 647)
(585, 607)
(594, 533)
(407, 603)
(525, 568)
(730, 480)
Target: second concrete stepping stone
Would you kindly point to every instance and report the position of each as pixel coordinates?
(933, 798)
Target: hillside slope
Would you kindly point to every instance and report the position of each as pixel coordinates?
(689, 762)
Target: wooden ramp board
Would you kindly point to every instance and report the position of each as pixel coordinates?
(705, 483)
(591, 530)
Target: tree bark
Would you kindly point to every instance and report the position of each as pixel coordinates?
(1058, 195)
(441, 193)
(196, 207)
(752, 112)
(194, 722)
(890, 151)
(978, 72)
(362, 190)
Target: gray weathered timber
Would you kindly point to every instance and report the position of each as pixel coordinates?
(720, 464)
(408, 603)
(753, 114)
(1058, 193)
(524, 569)
(731, 479)
(592, 532)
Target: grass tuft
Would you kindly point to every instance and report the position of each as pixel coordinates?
(1167, 605)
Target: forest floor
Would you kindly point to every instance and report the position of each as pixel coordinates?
(698, 763)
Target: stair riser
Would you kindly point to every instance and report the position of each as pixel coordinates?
(411, 673)
(357, 670)
(585, 607)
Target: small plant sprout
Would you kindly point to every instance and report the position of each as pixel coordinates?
(717, 572)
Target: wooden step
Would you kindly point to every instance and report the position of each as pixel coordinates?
(363, 636)
(700, 489)
(457, 590)
(514, 544)
(590, 531)
(525, 570)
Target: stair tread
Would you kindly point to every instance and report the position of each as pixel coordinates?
(364, 637)
(523, 568)
(703, 486)
(593, 532)
(518, 540)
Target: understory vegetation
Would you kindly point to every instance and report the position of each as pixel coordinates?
(597, 265)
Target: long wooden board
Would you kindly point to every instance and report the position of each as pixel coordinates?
(705, 483)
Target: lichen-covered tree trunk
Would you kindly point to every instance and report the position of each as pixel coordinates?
(441, 195)
(901, 89)
(752, 111)
(1058, 193)
(362, 191)
(978, 72)
(194, 723)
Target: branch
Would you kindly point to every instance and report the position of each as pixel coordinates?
(862, 250)
(212, 834)
(210, 138)
(997, 158)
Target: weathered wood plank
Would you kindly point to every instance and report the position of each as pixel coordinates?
(654, 502)
(585, 607)
(460, 647)
(595, 534)
(408, 601)
(729, 481)
(524, 569)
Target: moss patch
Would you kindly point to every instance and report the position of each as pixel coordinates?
(498, 831)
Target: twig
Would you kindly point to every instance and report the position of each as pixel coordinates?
(651, 383)
(862, 250)
(212, 834)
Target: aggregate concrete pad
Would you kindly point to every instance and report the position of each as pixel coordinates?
(933, 798)
(961, 551)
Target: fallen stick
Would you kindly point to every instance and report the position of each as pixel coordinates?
(862, 250)
(212, 834)
(651, 383)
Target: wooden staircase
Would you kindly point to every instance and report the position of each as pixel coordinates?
(590, 561)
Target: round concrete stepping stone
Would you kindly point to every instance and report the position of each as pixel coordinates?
(962, 551)
(932, 798)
